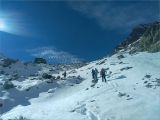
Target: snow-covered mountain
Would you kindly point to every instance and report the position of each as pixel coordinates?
(132, 92)
(40, 91)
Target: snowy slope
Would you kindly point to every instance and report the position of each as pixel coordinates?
(132, 92)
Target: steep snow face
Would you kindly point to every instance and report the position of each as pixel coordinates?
(132, 92)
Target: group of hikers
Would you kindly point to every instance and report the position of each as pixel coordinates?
(95, 75)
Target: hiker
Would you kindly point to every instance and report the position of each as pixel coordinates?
(103, 75)
(64, 74)
(93, 74)
(96, 74)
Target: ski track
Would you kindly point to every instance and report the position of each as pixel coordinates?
(89, 113)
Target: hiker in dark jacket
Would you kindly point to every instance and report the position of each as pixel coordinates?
(64, 74)
(93, 74)
(96, 74)
(103, 75)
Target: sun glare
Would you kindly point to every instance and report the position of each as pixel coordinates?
(12, 23)
(2, 25)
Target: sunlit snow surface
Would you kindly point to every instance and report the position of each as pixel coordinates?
(65, 100)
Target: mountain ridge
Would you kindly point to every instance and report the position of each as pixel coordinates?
(144, 37)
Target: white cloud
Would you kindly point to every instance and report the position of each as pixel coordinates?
(53, 55)
(116, 15)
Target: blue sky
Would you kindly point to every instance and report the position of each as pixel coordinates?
(70, 30)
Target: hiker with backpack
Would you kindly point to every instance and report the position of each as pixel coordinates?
(96, 74)
(103, 75)
(64, 74)
(93, 74)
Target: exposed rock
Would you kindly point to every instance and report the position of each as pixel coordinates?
(129, 98)
(46, 76)
(126, 68)
(136, 33)
(28, 89)
(149, 85)
(1, 104)
(49, 81)
(112, 64)
(145, 82)
(19, 118)
(101, 62)
(73, 71)
(121, 94)
(15, 76)
(92, 100)
(51, 90)
(8, 85)
(53, 77)
(2, 72)
(58, 77)
(7, 62)
(34, 78)
(40, 61)
(120, 56)
(158, 82)
(87, 89)
(144, 37)
(147, 76)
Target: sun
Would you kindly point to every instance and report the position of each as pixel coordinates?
(2, 25)
(13, 23)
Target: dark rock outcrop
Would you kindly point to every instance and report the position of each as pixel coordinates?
(8, 85)
(7, 62)
(120, 56)
(46, 76)
(144, 37)
(40, 61)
